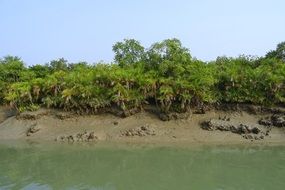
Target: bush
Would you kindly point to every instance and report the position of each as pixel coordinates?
(164, 75)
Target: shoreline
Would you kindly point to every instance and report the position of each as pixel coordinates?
(109, 129)
(51, 145)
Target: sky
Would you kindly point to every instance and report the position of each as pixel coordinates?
(84, 30)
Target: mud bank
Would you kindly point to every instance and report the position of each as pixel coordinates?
(224, 125)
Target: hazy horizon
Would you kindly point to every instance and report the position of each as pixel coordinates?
(40, 31)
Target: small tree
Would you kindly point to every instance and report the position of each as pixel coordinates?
(10, 68)
(168, 57)
(59, 64)
(128, 52)
(40, 71)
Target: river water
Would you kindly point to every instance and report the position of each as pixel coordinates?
(99, 167)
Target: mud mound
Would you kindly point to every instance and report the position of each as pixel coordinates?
(276, 120)
(248, 131)
(145, 130)
(33, 129)
(222, 125)
(79, 137)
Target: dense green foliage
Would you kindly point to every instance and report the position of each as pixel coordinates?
(164, 75)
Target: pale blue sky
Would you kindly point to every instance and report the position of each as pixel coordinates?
(39, 31)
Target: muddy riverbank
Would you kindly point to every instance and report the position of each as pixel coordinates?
(226, 125)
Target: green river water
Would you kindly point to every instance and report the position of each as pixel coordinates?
(97, 167)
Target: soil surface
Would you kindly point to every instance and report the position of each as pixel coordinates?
(220, 126)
